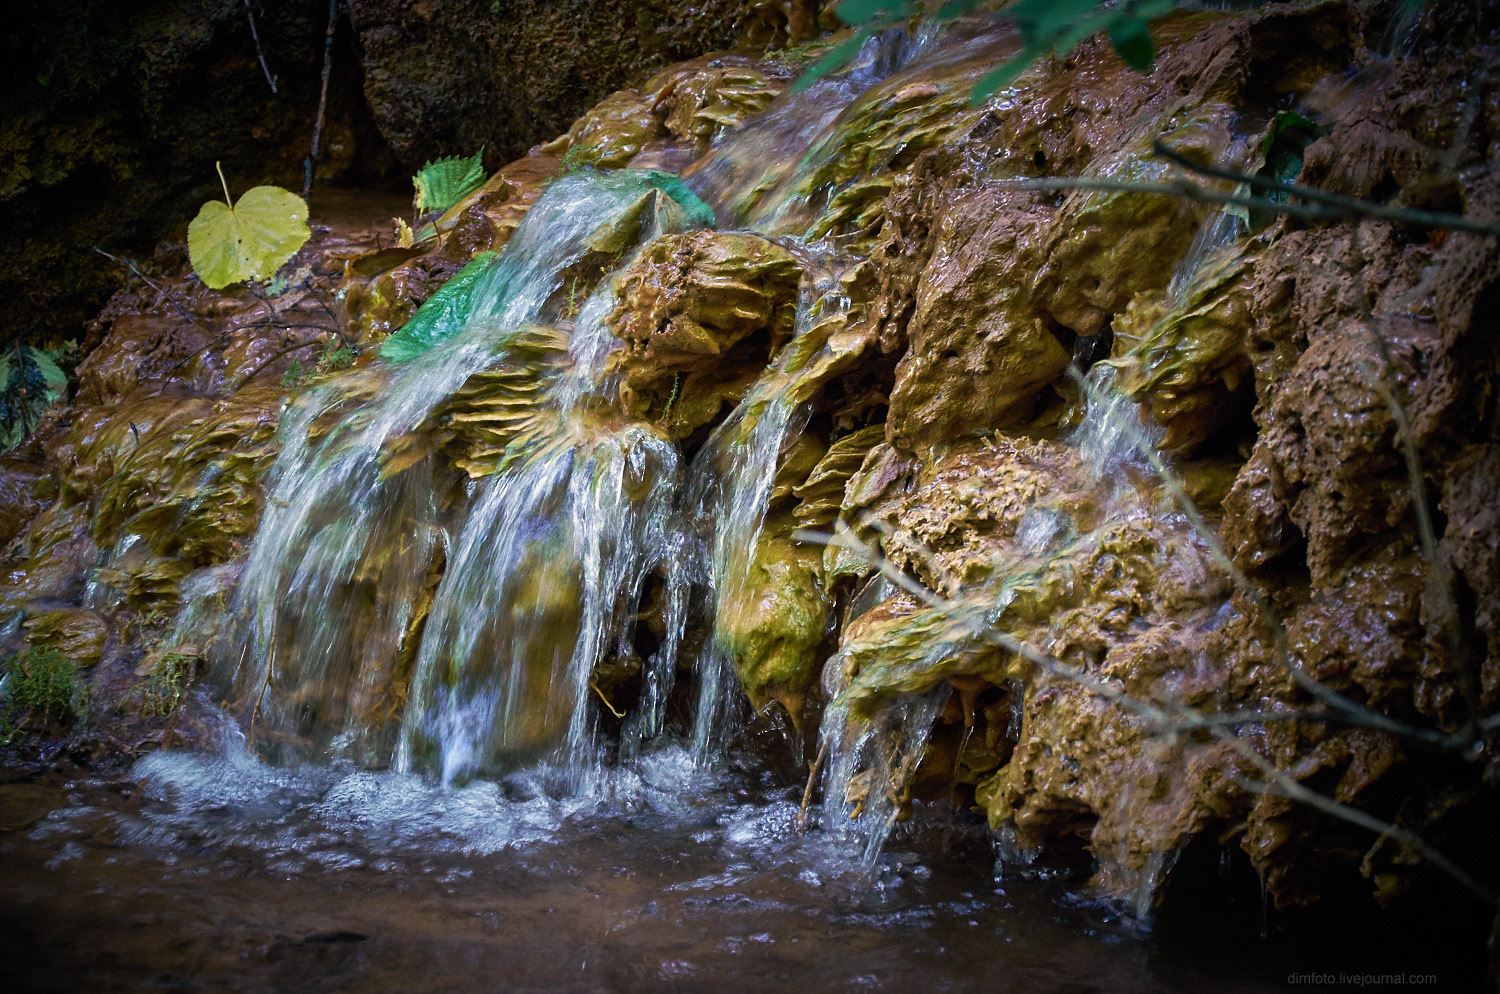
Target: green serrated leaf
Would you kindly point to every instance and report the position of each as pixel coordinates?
(52, 375)
(442, 315)
(248, 240)
(444, 182)
(30, 382)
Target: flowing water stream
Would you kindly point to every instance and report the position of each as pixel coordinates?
(420, 788)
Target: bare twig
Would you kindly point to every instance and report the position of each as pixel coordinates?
(160, 290)
(1184, 190)
(200, 350)
(1290, 788)
(251, 324)
(1437, 574)
(288, 324)
(1181, 189)
(1170, 716)
(267, 362)
(312, 157)
(812, 778)
(270, 659)
(254, 34)
(1334, 205)
(1267, 616)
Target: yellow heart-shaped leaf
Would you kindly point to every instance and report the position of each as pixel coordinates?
(250, 240)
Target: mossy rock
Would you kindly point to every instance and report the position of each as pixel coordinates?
(77, 633)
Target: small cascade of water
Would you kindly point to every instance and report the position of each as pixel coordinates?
(1114, 426)
(870, 762)
(543, 582)
(763, 176)
(733, 476)
(1109, 439)
(738, 176)
(337, 580)
(1219, 231)
(1106, 437)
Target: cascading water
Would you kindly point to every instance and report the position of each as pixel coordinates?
(538, 569)
(400, 613)
(872, 749)
(334, 583)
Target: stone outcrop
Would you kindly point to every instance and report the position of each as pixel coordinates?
(447, 78)
(1079, 621)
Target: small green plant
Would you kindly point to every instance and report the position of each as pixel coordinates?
(37, 689)
(573, 305)
(300, 278)
(574, 159)
(231, 242)
(30, 381)
(796, 54)
(166, 685)
(672, 397)
(444, 182)
(136, 625)
(294, 376)
(335, 357)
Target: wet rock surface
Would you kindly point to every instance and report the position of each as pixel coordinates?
(893, 340)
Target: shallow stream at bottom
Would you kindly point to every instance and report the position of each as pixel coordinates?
(201, 873)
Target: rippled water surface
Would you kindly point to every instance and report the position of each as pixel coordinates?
(207, 874)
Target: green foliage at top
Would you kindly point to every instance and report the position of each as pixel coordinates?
(30, 381)
(230, 242)
(39, 688)
(1047, 27)
(443, 312)
(444, 182)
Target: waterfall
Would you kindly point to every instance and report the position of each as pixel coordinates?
(871, 760)
(395, 611)
(357, 517)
